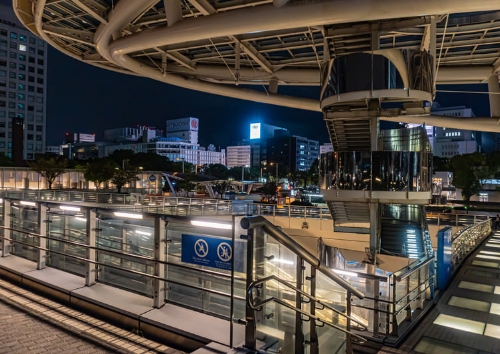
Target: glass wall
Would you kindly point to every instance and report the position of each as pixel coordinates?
(377, 171)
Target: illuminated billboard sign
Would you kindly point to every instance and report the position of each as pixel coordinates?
(255, 131)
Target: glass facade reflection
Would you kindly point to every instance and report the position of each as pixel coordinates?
(377, 171)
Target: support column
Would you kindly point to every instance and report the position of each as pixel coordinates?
(494, 90)
(7, 219)
(374, 223)
(42, 240)
(90, 267)
(159, 271)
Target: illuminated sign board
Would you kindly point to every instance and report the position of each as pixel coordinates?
(255, 131)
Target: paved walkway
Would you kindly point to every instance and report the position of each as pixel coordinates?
(23, 333)
(467, 317)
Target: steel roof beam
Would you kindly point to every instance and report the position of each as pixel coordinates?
(70, 34)
(256, 56)
(93, 8)
(203, 6)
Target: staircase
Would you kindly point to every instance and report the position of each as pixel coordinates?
(350, 213)
(401, 237)
(349, 134)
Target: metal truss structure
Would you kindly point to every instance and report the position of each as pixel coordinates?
(249, 49)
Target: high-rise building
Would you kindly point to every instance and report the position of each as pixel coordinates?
(238, 156)
(323, 149)
(185, 129)
(23, 87)
(259, 133)
(449, 142)
(296, 152)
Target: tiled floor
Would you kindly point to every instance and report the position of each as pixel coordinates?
(467, 317)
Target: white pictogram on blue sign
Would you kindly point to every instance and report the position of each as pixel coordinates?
(224, 251)
(201, 248)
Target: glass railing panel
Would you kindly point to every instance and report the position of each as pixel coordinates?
(330, 339)
(25, 219)
(129, 237)
(199, 267)
(71, 228)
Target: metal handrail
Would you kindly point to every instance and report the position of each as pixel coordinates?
(258, 282)
(258, 307)
(259, 221)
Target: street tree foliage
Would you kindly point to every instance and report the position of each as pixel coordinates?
(99, 171)
(468, 171)
(221, 187)
(5, 161)
(122, 177)
(268, 190)
(217, 170)
(440, 163)
(49, 167)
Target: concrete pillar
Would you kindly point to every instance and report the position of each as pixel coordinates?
(494, 90)
(42, 240)
(90, 267)
(160, 255)
(6, 232)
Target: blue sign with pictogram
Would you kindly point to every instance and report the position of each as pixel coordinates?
(152, 178)
(215, 252)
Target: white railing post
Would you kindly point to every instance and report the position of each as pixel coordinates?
(7, 217)
(159, 267)
(42, 240)
(90, 267)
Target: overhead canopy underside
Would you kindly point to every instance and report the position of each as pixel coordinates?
(218, 46)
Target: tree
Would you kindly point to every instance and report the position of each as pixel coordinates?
(122, 177)
(440, 163)
(468, 171)
(268, 190)
(313, 172)
(5, 161)
(99, 171)
(215, 170)
(49, 167)
(221, 187)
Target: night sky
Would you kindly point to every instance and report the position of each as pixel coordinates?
(86, 99)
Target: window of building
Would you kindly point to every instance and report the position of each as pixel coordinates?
(39, 71)
(31, 60)
(3, 93)
(13, 35)
(29, 137)
(20, 106)
(39, 128)
(21, 87)
(2, 103)
(12, 85)
(30, 126)
(31, 117)
(31, 69)
(29, 146)
(2, 134)
(13, 45)
(12, 105)
(13, 55)
(31, 88)
(41, 52)
(31, 51)
(20, 96)
(31, 79)
(38, 138)
(39, 109)
(2, 124)
(12, 114)
(31, 108)
(32, 40)
(13, 65)
(22, 38)
(3, 62)
(40, 61)
(29, 156)
(31, 98)
(22, 47)
(40, 43)
(21, 77)
(39, 90)
(39, 118)
(12, 75)
(39, 80)
(3, 32)
(22, 67)
(3, 53)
